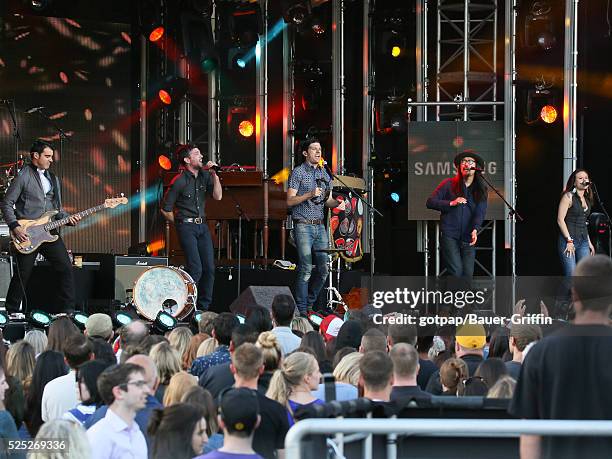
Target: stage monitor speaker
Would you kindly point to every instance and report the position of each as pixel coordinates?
(6, 272)
(128, 269)
(258, 295)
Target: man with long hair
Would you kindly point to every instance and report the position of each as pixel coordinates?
(462, 201)
(187, 197)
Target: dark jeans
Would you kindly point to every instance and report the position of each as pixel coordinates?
(199, 259)
(57, 255)
(309, 238)
(458, 257)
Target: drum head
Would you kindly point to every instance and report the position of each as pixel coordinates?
(160, 288)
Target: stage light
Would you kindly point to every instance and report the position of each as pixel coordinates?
(121, 318)
(240, 63)
(164, 162)
(4, 318)
(139, 250)
(244, 25)
(539, 28)
(40, 5)
(395, 197)
(396, 51)
(173, 90)
(79, 319)
(164, 322)
(246, 128)
(391, 115)
(548, 114)
(197, 315)
(317, 26)
(237, 59)
(149, 20)
(40, 319)
(156, 34)
(198, 41)
(295, 11)
(311, 74)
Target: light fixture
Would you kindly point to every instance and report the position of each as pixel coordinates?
(149, 18)
(164, 322)
(121, 318)
(391, 115)
(164, 162)
(244, 25)
(40, 319)
(172, 90)
(4, 318)
(539, 28)
(295, 11)
(542, 103)
(548, 114)
(311, 74)
(198, 41)
(40, 5)
(79, 319)
(246, 128)
(241, 121)
(395, 197)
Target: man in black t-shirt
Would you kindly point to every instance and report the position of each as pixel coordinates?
(247, 365)
(405, 368)
(567, 375)
(184, 205)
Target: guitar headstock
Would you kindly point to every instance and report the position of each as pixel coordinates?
(111, 203)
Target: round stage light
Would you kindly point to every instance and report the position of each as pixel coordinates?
(246, 128)
(164, 96)
(548, 114)
(156, 34)
(396, 51)
(40, 319)
(395, 197)
(164, 162)
(241, 63)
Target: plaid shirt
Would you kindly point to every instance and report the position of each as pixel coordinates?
(199, 365)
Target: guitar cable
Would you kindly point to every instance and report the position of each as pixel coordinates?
(24, 297)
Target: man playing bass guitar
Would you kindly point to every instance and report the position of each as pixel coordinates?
(33, 192)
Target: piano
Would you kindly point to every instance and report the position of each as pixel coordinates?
(262, 201)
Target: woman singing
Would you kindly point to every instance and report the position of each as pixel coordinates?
(574, 210)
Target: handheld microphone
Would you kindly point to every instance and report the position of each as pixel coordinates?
(33, 110)
(215, 168)
(477, 169)
(587, 183)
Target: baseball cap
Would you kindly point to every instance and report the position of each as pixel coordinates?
(99, 325)
(471, 336)
(239, 409)
(331, 326)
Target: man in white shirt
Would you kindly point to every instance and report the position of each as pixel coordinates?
(124, 389)
(60, 394)
(283, 308)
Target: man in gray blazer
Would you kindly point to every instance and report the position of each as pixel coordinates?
(32, 193)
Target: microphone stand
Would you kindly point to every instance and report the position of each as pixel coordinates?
(10, 105)
(241, 213)
(603, 208)
(62, 134)
(512, 213)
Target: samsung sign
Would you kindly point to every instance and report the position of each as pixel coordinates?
(432, 147)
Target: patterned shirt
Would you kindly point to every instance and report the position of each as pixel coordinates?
(304, 179)
(221, 355)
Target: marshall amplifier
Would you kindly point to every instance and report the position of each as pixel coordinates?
(6, 272)
(128, 269)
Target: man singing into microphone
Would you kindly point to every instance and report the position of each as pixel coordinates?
(187, 195)
(462, 200)
(308, 193)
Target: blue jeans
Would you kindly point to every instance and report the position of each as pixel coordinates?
(569, 263)
(199, 259)
(309, 238)
(458, 257)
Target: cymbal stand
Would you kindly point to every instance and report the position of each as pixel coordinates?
(334, 298)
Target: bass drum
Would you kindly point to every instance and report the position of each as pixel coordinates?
(165, 288)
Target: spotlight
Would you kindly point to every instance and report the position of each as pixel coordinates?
(164, 322)
(40, 319)
(548, 114)
(241, 318)
(198, 41)
(156, 34)
(541, 103)
(244, 25)
(164, 162)
(295, 12)
(236, 58)
(395, 197)
(40, 5)
(149, 15)
(241, 122)
(312, 91)
(4, 318)
(197, 315)
(318, 26)
(315, 318)
(121, 318)
(246, 128)
(391, 116)
(539, 30)
(79, 319)
(173, 90)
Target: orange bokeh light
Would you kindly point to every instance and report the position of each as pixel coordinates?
(156, 34)
(164, 96)
(164, 162)
(246, 128)
(548, 114)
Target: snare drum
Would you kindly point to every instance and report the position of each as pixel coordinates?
(165, 288)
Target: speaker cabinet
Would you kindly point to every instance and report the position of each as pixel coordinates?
(258, 295)
(127, 270)
(6, 272)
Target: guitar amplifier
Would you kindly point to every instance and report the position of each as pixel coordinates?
(6, 272)
(128, 269)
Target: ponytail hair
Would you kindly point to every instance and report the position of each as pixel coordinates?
(453, 372)
(293, 369)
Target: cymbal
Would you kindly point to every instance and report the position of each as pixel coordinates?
(330, 250)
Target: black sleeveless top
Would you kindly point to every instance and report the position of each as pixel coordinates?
(576, 218)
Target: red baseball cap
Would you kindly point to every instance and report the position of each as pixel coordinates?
(330, 326)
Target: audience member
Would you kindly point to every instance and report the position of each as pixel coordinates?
(330, 326)
(283, 310)
(8, 429)
(247, 366)
(178, 432)
(272, 355)
(376, 376)
(38, 340)
(259, 318)
(426, 366)
(124, 390)
(503, 388)
(49, 365)
(373, 340)
(350, 335)
(521, 335)
(223, 325)
(60, 394)
(191, 353)
(103, 351)
(215, 379)
(238, 418)
(491, 370)
(20, 363)
(401, 333)
(87, 390)
(132, 334)
(207, 347)
(205, 325)
(179, 384)
(498, 344)
(316, 342)
(405, 360)
(198, 396)
(179, 339)
(340, 354)
(452, 372)
(291, 385)
(167, 361)
(300, 326)
(472, 386)
(73, 435)
(567, 374)
(59, 332)
(99, 325)
(346, 379)
(149, 341)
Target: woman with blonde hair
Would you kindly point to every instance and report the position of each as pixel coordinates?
(452, 373)
(191, 352)
(503, 388)
(180, 383)
(207, 347)
(271, 350)
(179, 339)
(20, 362)
(68, 433)
(38, 340)
(168, 364)
(301, 325)
(347, 370)
(292, 384)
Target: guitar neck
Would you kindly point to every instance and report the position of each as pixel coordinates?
(57, 223)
